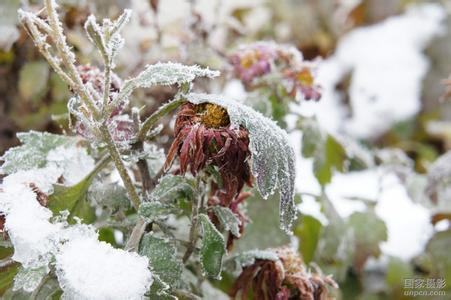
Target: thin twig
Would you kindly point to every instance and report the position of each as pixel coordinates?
(116, 157)
(135, 236)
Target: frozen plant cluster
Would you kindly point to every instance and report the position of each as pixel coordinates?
(85, 267)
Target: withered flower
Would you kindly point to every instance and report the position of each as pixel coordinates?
(253, 61)
(120, 125)
(281, 280)
(205, 137)
(302, 81)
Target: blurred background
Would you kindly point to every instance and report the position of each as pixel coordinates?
(376, 212)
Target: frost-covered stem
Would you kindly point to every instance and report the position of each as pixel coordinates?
(116, 157)
(66, 56)
(43, 47)
(162, 111)
(106, 87)
(135, 236)
(143, 167)
(6, 262)
(193, 232)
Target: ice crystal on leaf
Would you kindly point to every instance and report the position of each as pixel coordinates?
(273, 158)
(33, 151)
(29, 279)
(165, 74)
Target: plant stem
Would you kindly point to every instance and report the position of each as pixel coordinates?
(143, 167)
(67, 57)
(162, 111)
(193, 232)
(135, 236)
(106, 88)
(115, 155)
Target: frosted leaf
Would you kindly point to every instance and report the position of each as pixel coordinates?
(89, 269)
(228, 220)
(95, 34)
(273, 157)
(33, 151)
(155, 211)
(163, 260)
(164, 74)
(29, 279)
(106, 37)
(212, 248)
(247, 258)
(109, 195)
(120, 22)
(170, 187)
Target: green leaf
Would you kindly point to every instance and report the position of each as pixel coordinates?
(155, 211)
(369, 231)
(109, 195)
(331, 158)
(397, 271)
(7, 277)
(273, 158)
(263, 232)
(212, 248)
(33, 151)
(74, 199)
(437, 250)
(172, 187)
(33, 78)
(228, 220)
(312, 137)
(163, 261)
(308, 231)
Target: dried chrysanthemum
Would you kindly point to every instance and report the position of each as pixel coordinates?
(302, 81)
(253, 61)
(120, 125)
(283, 279)
(204, 137)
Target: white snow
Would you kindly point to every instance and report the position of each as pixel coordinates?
(73, 161)
(89, 269)
(387, 66)
(39, 239)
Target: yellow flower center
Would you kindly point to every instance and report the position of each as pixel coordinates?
(213, 115)
(305, 77)
(249, 59)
